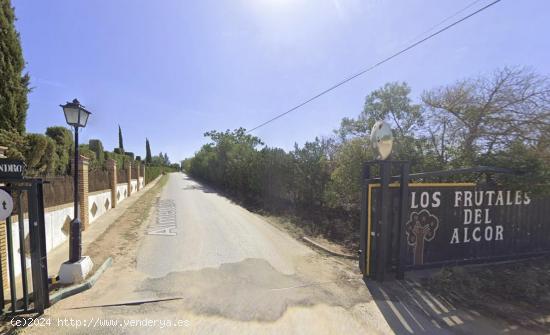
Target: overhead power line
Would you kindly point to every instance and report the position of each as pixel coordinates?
(380, 62)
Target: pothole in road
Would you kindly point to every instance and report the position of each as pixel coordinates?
(252, 290)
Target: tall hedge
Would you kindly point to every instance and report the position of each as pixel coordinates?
(40, 155)
(121, 160)
(97, 147)
(14, 85)
(64, 144)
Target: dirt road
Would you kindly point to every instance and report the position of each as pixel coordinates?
(227, 271)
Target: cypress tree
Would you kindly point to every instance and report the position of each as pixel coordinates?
(14, 85)
(120, 143)
(148, 157)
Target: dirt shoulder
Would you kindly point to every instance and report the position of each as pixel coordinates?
(120, 238)
(518, 292)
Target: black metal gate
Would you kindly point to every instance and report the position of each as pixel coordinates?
(384, 243)
(27, 217)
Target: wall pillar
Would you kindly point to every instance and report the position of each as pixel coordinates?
(138, 170)
(143, 174)
(3, 242)
(129, 175)
(111, 167)
(83, 191)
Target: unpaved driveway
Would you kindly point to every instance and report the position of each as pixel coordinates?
(231, 272)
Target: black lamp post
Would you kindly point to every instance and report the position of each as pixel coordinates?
(76, 116)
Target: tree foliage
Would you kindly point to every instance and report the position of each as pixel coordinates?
(40, 155)
(498, 120)
(64, 144)
(120, 140)
(14, 85)
(148, 157)
(97, 147)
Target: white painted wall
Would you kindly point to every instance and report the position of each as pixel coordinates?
(99, 199)
(133, 183)
(141, 182)
(122, 189)
(55, 218)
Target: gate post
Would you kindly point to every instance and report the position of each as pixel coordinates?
(403, 217)
(3, 245)
(384, 234)
(363, 233)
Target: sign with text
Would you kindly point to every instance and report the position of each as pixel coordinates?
(456, 223)
(11, 168)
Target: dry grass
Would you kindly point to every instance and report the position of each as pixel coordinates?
(518, 292)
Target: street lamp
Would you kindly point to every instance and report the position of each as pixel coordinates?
(77, 117)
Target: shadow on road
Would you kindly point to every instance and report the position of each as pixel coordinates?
(198, 187)
(409, 309)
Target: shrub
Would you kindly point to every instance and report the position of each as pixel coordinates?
(17, 144)
(64, 143)
(152, 172)
(97, 147)
(40, 155)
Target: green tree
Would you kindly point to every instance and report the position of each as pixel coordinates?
(393, 104)
(17, 143)
(148, 158)
(14, 85)
(40, 155)
(120, 141)
(474, 119)
(344, 189)
(64, 143)
(311, 173)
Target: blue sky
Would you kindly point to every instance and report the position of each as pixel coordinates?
(172, 69)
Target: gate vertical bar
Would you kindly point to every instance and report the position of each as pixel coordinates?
(384, 232)
(2, 305)
(363, 232)
(11, 270)
(403, 216)
(22, 250)
(35, 251)
(42, 238)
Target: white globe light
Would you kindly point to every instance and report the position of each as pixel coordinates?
(381, 137)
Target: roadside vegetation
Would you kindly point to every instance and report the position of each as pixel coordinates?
(501, 119)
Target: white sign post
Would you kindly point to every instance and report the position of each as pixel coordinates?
(6, 205)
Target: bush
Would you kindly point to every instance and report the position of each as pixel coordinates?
(17, 144)
(152, 172)
(121, 160)
(97, 147)
(84, 150)
(64, 143)
(40, 155)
